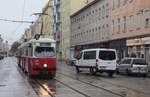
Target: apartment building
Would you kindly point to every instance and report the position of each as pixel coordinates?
(130, 27)
(90, 26)
(68, 7)
(47, 19)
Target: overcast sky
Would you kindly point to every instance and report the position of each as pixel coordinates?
(17, 10)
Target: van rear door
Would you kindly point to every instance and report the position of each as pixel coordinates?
(107, 59)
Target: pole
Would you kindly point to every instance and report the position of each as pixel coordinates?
(41, 33)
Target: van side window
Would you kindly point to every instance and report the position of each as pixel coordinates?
(107, 55)
(90, 55)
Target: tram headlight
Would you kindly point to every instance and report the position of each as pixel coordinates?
(45, 65)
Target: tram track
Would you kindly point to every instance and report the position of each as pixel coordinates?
(35, 83)
(50, 93)
(104, 81)
(84, 94)
(104, 89)
(123, 94)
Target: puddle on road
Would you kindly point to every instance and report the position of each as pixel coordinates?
(137, 94)
(2, 85)
(43, 89)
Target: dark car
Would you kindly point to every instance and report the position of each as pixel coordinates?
(1, 56)
(72, 61)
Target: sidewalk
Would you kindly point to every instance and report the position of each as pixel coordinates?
(12, 84)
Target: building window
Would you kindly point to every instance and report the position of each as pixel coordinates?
(118, 3)
(113, 26)
(146, 18)
(118, 25)
(103, 32)
(99, 32)
(113, 4)
(130, 1)
(124, 24)
(100, 13)
(124, 2)
(131, 23)
(138, 20)
(107, 10)
(103, 12)
(147, 23)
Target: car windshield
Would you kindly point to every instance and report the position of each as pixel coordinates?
(126, 61)
(139, 62)
(44, 52)
(107, 55)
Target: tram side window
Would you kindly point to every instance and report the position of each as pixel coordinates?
(44, 52)
(26, 52)
(30, 52)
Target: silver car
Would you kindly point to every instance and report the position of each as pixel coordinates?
(133, 66)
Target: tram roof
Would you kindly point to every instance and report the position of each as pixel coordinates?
(40, 40)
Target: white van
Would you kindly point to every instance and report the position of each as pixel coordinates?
(98, 60)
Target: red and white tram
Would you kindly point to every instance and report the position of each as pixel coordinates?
(37, 57)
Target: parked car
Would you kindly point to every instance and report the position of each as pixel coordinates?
(1, 56)
(72, 61)
(133, 66)
(98, 60)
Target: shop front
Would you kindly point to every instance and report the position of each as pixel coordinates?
(120, 46)
(139, 47)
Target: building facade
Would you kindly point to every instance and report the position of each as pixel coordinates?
(68, 7)
(130, 28)
(47, 19)
(90, 26)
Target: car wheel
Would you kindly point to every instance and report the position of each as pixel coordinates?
(128, 72)
(117, 71)
(144, 75)
(110, 74)
(93, 70)
(72, 64)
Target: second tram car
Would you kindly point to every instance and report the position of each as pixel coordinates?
(37, 57)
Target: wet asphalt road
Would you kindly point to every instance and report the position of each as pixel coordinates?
(14, 83)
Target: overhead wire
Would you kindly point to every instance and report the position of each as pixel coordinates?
(22, 17)
(17, 21)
